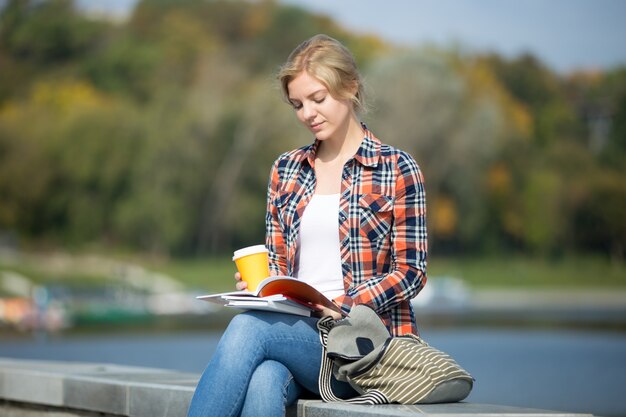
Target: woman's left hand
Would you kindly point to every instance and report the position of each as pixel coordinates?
(325, 311)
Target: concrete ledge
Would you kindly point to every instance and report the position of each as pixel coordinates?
(111, 389)
(43, 388)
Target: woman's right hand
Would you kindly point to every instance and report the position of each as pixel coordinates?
(240, 284)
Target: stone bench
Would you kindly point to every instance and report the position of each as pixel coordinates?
(67, 389)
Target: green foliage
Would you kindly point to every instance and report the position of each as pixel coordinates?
(157, 133)
(207, 274)
(578, 272)
(600, 220)
(543, 211)
(612, 99)
(124, 67)
(45, 31)
(541, 90)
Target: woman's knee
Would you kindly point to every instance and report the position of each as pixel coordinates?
(269, 374)
(243, 330)
(271, 385)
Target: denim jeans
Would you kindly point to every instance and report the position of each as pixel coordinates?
(263, 363)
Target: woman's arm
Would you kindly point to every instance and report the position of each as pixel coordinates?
(273, 232)
(408, 246)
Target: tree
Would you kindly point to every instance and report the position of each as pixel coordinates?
(600, 219)
(46, 31)
(456, 120)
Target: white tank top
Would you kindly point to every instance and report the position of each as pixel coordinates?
(319, 255)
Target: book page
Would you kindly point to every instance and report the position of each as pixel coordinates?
(288, 287)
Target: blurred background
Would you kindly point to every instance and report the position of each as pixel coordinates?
(136, 139)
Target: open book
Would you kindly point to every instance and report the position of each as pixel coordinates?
(281, 294)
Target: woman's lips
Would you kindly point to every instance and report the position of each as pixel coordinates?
(316, 127)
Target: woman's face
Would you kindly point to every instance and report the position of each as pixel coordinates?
(325, 116)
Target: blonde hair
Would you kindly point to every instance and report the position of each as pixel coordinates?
(331, 63)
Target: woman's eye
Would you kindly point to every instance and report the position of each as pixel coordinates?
(296, 106)
(320, 100)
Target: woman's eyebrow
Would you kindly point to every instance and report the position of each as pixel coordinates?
(310, 95)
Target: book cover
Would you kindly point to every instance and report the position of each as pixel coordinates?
(278, 293)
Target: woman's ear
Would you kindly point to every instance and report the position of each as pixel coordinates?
(354, 96)
(354, 88)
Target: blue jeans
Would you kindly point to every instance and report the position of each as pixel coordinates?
(263, 363)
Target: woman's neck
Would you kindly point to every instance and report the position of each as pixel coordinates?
(344, 146)
(332, 155)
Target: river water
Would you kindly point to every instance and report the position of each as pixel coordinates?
(567, 370)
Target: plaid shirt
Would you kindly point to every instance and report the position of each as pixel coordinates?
(382, 226)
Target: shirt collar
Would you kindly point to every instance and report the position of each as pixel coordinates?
(367, 155)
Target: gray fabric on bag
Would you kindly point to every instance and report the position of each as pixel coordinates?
(343, 368)
(354, 342)
(449, 391)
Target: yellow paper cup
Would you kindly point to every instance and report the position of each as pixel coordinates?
(253, 264)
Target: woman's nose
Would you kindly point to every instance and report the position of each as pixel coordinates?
(308, 111)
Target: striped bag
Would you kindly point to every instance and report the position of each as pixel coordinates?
(384, 369)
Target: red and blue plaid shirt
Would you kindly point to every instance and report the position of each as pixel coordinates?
(382, 226)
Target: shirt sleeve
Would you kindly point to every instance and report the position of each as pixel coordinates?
(407, 275)
(274, 240)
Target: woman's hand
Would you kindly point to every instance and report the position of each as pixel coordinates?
(325, 311)
(241, 284)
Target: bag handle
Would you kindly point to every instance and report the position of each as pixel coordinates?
(373, 397)
(324, 325)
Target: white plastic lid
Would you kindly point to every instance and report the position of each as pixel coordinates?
(250, 250)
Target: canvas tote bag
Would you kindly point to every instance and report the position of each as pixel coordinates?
(384, 369)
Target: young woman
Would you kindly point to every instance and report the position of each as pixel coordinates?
(346, 214)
